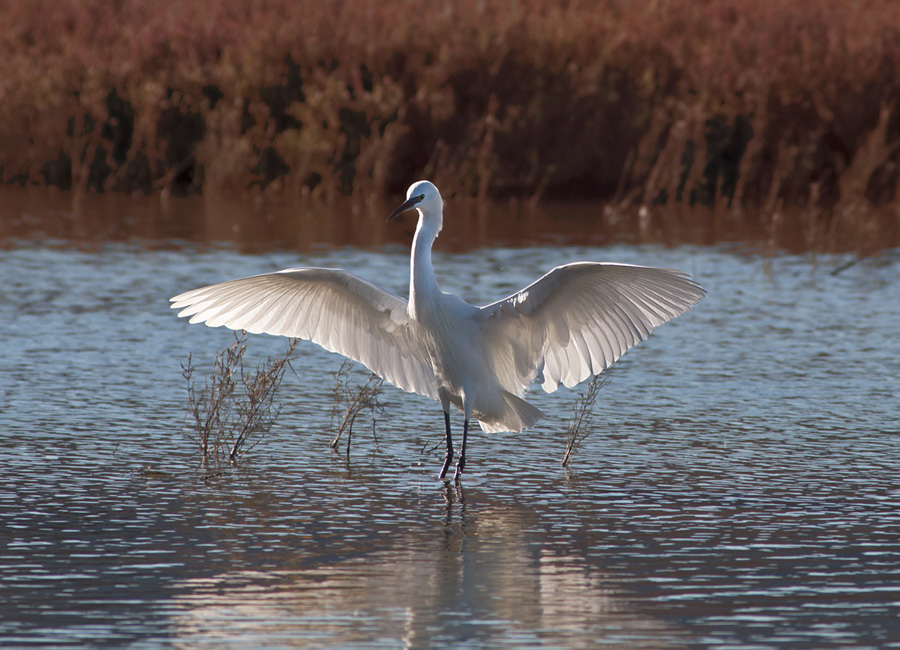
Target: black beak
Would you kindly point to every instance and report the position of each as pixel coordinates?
(408, 204)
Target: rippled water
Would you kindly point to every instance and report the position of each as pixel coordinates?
(739, 488)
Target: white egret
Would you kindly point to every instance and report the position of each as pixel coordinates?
(569, 325)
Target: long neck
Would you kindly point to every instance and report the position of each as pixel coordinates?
(423, 288)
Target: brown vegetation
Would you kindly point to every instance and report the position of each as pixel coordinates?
(236, 406)
(763, 105)
(581, 423)
(349, 401)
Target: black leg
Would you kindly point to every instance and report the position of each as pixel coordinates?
(461, 464)
(449, 457)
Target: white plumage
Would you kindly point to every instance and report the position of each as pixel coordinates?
(567, 326)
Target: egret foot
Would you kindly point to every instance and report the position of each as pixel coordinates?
(460, 466)
(461, 463)
(448, 458)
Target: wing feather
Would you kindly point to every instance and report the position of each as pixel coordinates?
(580, 318)
(336, 309)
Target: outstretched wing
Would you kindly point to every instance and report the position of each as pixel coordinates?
(338, 310)
(580, 318)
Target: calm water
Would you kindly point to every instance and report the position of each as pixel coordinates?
(739, 488)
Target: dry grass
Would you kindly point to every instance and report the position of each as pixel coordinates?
(730, 104)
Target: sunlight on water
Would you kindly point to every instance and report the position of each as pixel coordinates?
(738, 488)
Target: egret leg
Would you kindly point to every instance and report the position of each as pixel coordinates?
(461, 463)
(449, 457)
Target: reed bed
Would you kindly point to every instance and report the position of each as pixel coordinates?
(758, 105)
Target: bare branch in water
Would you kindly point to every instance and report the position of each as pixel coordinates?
(236, 406)
(580, 424)
(349, 401)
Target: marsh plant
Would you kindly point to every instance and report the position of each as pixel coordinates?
(235, 407)
(349, 400)
(778, 115)
(580, 424)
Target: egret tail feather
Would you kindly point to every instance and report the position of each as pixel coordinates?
(517, 416)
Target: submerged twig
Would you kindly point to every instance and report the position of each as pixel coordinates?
(580, 425)
(846, 265)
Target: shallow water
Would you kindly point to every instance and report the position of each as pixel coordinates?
(738, 489)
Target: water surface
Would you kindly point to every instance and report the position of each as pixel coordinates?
(738, 489)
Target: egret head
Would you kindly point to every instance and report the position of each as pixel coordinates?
(422, 195)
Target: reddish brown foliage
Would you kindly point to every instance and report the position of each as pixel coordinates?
(761, 104)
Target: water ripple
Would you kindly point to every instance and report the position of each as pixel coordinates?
(738, 488)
